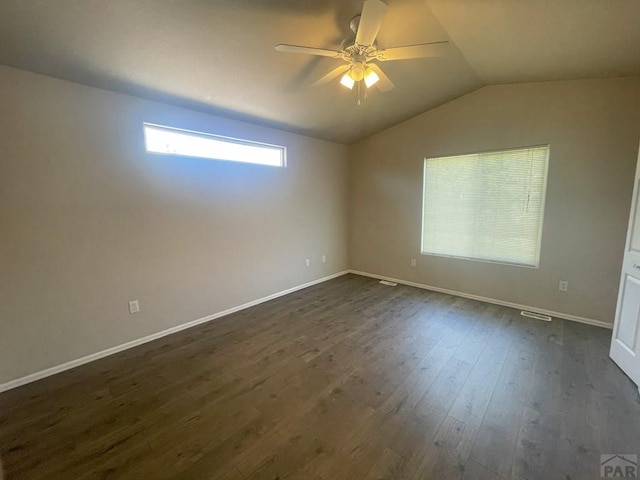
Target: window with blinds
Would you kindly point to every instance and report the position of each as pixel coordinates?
(486, 206)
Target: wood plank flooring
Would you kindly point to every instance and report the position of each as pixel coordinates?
(349, 380)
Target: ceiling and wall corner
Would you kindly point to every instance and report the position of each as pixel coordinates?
(218, 56)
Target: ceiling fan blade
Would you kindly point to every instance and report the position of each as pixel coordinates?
(373, 12)
(424, 50)
(308, 50)
(336, 72)
(384, 84)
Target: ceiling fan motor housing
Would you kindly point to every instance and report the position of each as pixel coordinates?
(351, 48)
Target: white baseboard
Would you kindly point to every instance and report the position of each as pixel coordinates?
(11, 384)
(565, 316)
(154, 336)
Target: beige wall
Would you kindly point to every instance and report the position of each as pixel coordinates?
(89, 221)
(593, 127)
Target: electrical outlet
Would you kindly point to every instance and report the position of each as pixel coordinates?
(324, 259)
(307, 262)
(134, 306)
(413, 262)
(563, 285)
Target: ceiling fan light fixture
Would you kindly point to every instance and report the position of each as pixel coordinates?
(347, 81)
(371, 78)
(357, 72)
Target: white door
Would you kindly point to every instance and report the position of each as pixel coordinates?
(625, 344)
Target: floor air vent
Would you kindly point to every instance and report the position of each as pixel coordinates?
(537, 316)
(390, 284)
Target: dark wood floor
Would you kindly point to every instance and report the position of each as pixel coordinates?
(349, 379)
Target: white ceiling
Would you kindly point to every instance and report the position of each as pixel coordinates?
(218, 55)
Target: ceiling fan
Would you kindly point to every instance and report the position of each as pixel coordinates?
(360, 51)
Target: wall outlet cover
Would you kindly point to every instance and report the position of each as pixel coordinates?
(134, 306)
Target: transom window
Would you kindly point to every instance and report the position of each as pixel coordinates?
(173, 141)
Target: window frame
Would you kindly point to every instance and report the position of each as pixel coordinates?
(220, 138)
(542, 207)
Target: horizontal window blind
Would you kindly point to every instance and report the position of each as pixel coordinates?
(486, 206)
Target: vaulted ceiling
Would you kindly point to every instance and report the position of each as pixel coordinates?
(218, 55)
